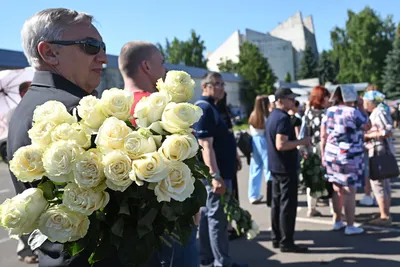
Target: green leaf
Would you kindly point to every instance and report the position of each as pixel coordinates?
(168, 212)
(200, 193)
(102, 250)
(124, 208)
(118, 227)
(184, 230)
(76, 247)
(145, 224)
(48, 189)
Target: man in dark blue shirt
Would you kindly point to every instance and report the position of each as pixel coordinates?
(220, 155)
(283, 162)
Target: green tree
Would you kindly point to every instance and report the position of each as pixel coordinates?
(288, 77)
(391, 73)
(361, 47)
(326, 68)
(308, 64)
(189, 52)
(256, 73)
(228, 66)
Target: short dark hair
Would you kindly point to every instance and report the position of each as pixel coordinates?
(337, 97)
(210, 77)
(296, 104)
(23, 88)
(133, 54)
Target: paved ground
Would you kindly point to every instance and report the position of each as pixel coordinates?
(378, 246)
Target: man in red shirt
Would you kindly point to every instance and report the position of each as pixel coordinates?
(141, 65)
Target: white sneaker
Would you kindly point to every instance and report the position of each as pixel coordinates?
(353, 230)
(256, 200)
(367, 201)
(337, 226)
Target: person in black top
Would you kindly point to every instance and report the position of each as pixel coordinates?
(295, 118)
(284, 165)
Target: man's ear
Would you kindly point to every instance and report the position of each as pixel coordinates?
(47, 53)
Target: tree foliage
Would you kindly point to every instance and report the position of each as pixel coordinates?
(391, 74)
(326, 68)
(308, 64)
(288, 77)
(361, 46)
(189, 52)
(228, 66)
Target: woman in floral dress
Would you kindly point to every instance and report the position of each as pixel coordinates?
(342, 147)
(313, 174)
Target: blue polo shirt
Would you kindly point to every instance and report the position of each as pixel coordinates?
(211, 124)
(281, 162)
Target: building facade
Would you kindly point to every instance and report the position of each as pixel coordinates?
(283, 46)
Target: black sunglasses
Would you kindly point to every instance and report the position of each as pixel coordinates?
(90, 46)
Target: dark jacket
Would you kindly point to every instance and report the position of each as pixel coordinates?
(46, 86)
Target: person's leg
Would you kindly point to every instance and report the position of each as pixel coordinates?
(218, 229)
(288, 212)
(25, 252)
(388, 195)
(367, 200)
(337, 201)
(256, 167)
(382, 192)
(206, 253)
(275, 210)
(311, 204)
(350, 204)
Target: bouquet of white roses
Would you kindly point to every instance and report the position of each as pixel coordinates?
(107, 186)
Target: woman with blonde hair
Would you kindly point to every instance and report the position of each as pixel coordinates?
(259, 159)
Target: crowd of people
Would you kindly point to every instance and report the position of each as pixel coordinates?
(341, 132)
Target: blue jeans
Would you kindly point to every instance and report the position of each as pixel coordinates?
(258, 163)
(214, 241)
(177, 255)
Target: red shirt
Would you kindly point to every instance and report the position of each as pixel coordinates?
(136, 98)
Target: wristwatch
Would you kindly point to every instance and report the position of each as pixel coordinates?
(216, 176)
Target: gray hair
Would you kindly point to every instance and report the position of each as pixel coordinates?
(48, 25)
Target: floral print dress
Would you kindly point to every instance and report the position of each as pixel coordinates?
(344, 149)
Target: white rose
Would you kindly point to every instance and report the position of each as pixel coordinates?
(116, 103)
(88, 170)
(73, 132)
(251, 234)
(27, 164)
(20, 214)
(112, 134)
(179, 147)
(178, 185)
(148, 168)
(117, 167)
(149, 109)
(60, 224)
(40, 133)
(59, 160)
(178, 84)
(180, 117)
(89, 109)
(53, 111)
(137, 144)
(85, 201)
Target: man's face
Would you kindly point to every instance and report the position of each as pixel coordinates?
(288, 103)
(74, 63)
(215, 89)
(156, 67)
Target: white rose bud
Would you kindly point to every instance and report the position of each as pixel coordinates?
(251, 234)
(179, 147)
(20, 214)
(60, 224)
(137, 144)
(117, 103)
(112, 134)
(53, 111)
(178, 84)
(73, 132)
(27, 164)
(89, 109)
(148, 168)
(85, 201)
(89, 171)
(149, 109)
(180, 117)
(40, 133)
(59, 160)
(117, 167)
(178, 185)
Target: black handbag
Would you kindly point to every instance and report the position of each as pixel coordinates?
(383, 164)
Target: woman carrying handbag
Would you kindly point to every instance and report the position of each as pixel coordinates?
(383, 164)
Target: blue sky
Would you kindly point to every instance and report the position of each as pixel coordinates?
(120, 21)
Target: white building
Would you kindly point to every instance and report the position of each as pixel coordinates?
(283, 46)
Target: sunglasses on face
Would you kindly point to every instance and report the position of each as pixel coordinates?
(90, 46)
(217, 84)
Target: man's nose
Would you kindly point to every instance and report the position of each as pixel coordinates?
(102, 57)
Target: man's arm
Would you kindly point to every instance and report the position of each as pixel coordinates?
(282, 142)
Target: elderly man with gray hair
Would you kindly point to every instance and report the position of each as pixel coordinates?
(67, 53)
